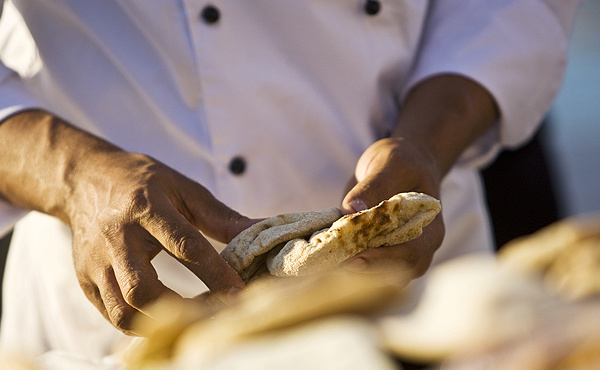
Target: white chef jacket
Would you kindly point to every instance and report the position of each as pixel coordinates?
(292, 92)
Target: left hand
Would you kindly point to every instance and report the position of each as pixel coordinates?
(388, 167)
(440, 118)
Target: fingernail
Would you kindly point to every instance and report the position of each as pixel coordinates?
(357, 205)
(357, 264)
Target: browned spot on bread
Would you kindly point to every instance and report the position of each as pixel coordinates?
(391, 222)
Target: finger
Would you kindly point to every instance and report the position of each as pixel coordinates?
(93, 295)
(375, 179)
(102, 290)
(414, 256)
(136, 277)
(208, 214)
(402, 257)
(113, 306)
(185, 243)
(368, 193)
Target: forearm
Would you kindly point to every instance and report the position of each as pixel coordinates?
(445, 114)
(39, 157)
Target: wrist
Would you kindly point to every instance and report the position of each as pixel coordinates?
(40, 156)
(446, 114)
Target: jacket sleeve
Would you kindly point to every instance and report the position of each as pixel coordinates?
(14, 97)
(516, 49)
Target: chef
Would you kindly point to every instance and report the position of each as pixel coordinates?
(136, 135)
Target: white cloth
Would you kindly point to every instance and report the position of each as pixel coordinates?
(299, 89)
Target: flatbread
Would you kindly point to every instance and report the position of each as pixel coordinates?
(299, 244)
(486, 316)
(181, 331)
(274, 305)
(391, 222)
(338, 342)
(247, 252)
(566, 254)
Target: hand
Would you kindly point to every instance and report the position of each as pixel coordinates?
(123, 209)
(126, 209)
(440, 118)
(388, 167)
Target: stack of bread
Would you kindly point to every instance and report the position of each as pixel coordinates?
(535, 306)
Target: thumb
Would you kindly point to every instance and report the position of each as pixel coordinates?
(373, 179)
(212, 217)
(367, 193)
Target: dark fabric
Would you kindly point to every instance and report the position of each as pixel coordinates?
(520, 191)
(4, 242)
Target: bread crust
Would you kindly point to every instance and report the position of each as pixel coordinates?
(391, 222)
(247, 252)
(300, 244)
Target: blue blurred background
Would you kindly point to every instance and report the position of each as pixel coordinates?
(573, 132)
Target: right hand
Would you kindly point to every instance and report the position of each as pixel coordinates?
(123, 209)
(127, 208)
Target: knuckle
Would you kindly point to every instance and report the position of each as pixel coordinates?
(139, 202)
(110, 229)
(120, 317)
(185, 247)
(134, 294)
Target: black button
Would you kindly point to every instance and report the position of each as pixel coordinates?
(237, 166)
(210, 14)
(372, 7)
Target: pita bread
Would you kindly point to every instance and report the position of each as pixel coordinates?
(338, 342)
(566, 254)
(247, 252)
(285, 246)
(273, 305)
(571, 340)
(391, 222)
(467, 304)
(181, 329)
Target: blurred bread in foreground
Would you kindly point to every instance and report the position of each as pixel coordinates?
(182, 333)
(565, 254)
(474, 312)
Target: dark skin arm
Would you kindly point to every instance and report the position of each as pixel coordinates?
(441, 117)
(123, 208)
